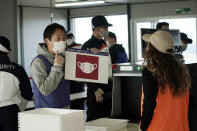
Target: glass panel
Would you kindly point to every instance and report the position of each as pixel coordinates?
(188, 26)
(83, 31)
(120, 28)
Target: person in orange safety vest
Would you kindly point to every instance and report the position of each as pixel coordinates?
(166, 83)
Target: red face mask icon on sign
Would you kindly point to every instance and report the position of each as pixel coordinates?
(87, 67)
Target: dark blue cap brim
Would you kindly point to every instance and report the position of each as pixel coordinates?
(110, 24)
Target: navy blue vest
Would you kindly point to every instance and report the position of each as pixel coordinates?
(59, 98)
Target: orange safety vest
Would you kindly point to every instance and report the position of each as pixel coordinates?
(171, 112)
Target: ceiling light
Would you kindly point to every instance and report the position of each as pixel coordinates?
(78, 3)
(65, 0)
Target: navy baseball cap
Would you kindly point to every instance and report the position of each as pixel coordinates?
(4, 44)
(185, 38)
(99, 21)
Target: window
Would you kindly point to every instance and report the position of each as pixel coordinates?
(81, 27)
(120, 28)
(188, 26)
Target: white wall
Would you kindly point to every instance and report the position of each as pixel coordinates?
(101, 10)
(8, 26)
(35, 21)
(162, 8)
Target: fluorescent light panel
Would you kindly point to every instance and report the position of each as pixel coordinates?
(65, 0)
(79, 3)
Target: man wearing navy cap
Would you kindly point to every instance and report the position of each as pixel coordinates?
(184, 41)
(100, 30)
(14, 83)
(98, 105)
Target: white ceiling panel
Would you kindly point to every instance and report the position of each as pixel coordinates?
(46, 3)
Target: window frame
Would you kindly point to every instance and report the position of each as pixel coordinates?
(154, 21)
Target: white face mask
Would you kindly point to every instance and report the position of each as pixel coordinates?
(183, 47)
(104, 33)
(59, 47)
(69, 42)
(107, 43)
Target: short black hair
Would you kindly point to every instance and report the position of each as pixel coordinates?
(50, 29)
(70, 35)
(159, 25)
(112, 35)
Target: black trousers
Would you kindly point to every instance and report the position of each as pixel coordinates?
(9, 118)
(98, 110)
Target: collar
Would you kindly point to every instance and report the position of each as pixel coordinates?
(4, 59)
(95, 42)
(96, 39)
(112, 45)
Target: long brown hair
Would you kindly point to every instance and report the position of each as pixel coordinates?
(167, 70)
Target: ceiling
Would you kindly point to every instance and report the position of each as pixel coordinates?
(46, 3)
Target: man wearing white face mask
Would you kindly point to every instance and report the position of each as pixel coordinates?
(70, 41)
(49, 86)
(184, 42)
(98, 95)
(117, 52)
(100, 30)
